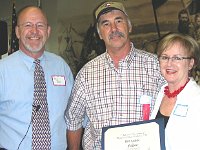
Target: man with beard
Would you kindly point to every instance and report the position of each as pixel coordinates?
(196, 71)
(21, 102)
(109, 88)
(184, 24)
(197, 27)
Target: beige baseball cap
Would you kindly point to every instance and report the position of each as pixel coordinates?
(107, 7)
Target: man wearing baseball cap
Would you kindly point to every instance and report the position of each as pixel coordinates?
(109, 6)
(108, 89)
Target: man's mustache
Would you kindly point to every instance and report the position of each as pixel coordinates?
(116, 33)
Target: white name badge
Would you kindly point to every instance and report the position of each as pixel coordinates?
(145, 99)
(181, 110)
(59, 80)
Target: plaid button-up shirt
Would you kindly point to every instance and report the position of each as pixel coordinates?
(110, 96)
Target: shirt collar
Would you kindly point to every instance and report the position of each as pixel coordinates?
(126, 61)
(29, 61)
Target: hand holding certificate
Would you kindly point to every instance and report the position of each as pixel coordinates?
(144, 135)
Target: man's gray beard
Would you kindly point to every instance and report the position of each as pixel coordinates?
(29, 48)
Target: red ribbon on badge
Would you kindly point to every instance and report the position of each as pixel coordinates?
(146, 111)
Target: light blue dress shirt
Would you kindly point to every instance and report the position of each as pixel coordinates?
(16, 98)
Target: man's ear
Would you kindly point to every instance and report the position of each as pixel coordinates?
(130, 29)
(48, 31)
(100, 36)
(129, 26)
(17, 32)
(98, 31)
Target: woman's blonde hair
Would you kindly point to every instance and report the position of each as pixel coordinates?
(189, 44)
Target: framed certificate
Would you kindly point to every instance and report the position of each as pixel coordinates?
(143, 135)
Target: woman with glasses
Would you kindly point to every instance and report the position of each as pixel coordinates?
(178, 101)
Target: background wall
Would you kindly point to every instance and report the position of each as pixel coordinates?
(79, 14)
(71, 19)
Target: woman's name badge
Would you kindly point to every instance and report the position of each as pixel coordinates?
(59, 80)
(181, 110)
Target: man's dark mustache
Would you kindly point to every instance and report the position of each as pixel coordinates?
(116, 33)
